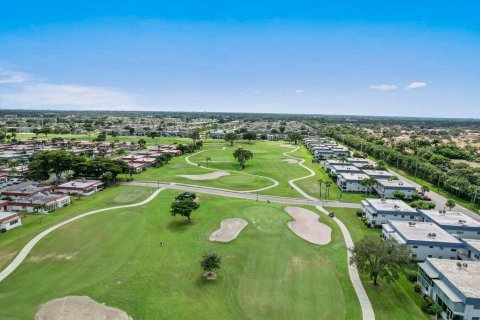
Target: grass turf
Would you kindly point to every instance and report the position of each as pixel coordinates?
(32, 224)
(115, 257)
(395, 300)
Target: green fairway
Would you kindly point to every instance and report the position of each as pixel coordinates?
(393, 301)
(268, 161)
(32, 224)
(115, 257)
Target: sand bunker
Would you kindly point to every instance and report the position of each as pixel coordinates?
(78, 308)
(307, 226)
(287, 160)
(229, 230)
(206, 176)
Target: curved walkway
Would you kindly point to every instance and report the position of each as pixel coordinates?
(29, 246)
(365, 304)
(275, 182)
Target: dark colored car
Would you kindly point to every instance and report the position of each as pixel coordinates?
(186, 195)
(331, 214)
(426, 198)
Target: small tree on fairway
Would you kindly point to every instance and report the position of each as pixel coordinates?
(208, 159)
(230, 137)
(195, 135)
(184, 207)
(320, 182)
(294, 136)
(249, 136)
(450, 204)
(242, 156)
(380, 258)
(210, 262)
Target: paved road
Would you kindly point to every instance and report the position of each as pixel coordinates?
(438, 199)
(29, 246)
(242, 195)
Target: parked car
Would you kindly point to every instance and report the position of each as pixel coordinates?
(426, 198)
(186, 195)
(331, 214)
(15, 180)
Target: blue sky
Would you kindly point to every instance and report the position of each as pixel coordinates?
(410, 58)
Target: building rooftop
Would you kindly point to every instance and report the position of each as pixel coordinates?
(389, 205)
(345, 168)
(474, 243)
(351, 176)
(422, 231)
(25, 188)
(378, 173)
(451, 218)
(394, 183)
(79, 183)
(464, 277)
(7, 215)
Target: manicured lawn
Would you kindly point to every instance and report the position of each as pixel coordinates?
(32, 224)
(312, 187)
(115, 257)
(268, 161)
(396, 300)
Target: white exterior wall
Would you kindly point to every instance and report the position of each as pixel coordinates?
(388, 193)
(383, 218)
(352, 186)
(464, 234)
(437, 251)
(10, 224)
(470, 312)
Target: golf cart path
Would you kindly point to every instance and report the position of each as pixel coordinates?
(365, 304)
(29, 246)
(275, 182)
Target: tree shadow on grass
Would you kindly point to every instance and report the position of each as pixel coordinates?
(179, 225)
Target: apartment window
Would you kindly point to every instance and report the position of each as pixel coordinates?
(383, 215)
(431, 247)
(13, 222)
(415, 247)
(412, 217)
(430, 256)
(459, 232)
(441, 248)
(475, 318)
(403, 216)
(454, 250)
(476, 307)
(440, 257)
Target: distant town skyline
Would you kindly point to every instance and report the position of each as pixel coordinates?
(311, 57)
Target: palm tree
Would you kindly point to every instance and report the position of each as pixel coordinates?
(450, 204)
(328, 184)
(320, 182)
(369, 183)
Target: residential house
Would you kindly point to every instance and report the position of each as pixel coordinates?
(454, 285)
(380, 211)
(425, 239)
(387, 188)
(456, 223)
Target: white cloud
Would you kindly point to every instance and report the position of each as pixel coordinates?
(12, 77)
(299, 91)
(383, 87)
(416, 85)
(28, 93)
